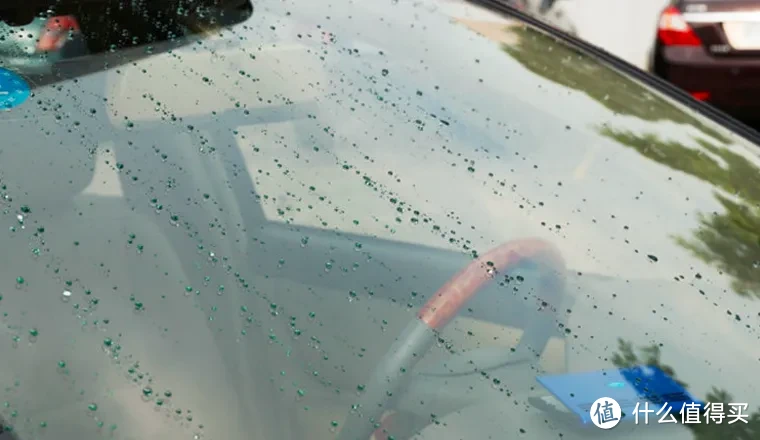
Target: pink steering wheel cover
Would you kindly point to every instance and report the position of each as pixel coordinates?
(451, 297)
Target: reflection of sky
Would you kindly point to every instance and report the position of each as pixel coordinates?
(510, 114)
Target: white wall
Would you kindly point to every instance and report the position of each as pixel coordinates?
(625, 28)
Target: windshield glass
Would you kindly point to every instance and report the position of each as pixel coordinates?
(355, 220)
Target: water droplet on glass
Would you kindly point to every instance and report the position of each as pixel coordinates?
(147, 392)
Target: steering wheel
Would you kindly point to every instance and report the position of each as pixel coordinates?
(391, 373)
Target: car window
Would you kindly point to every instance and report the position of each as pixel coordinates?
(359, 220)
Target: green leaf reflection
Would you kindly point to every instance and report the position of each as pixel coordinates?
(555, 61)
(629, 356)
(730, 240)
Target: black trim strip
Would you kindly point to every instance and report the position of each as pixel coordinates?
(714, 114)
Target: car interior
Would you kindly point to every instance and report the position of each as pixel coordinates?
(191, 300)
(86, 205)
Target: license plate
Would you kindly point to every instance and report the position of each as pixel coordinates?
(743, 35)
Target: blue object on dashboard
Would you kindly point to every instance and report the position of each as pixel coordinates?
(628, 386)
(13, 89)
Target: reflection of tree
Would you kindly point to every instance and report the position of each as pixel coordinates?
(559, 63)
(729, 240)
(650, 355)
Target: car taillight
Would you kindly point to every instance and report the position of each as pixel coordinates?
(700, 96)
(673, 30)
